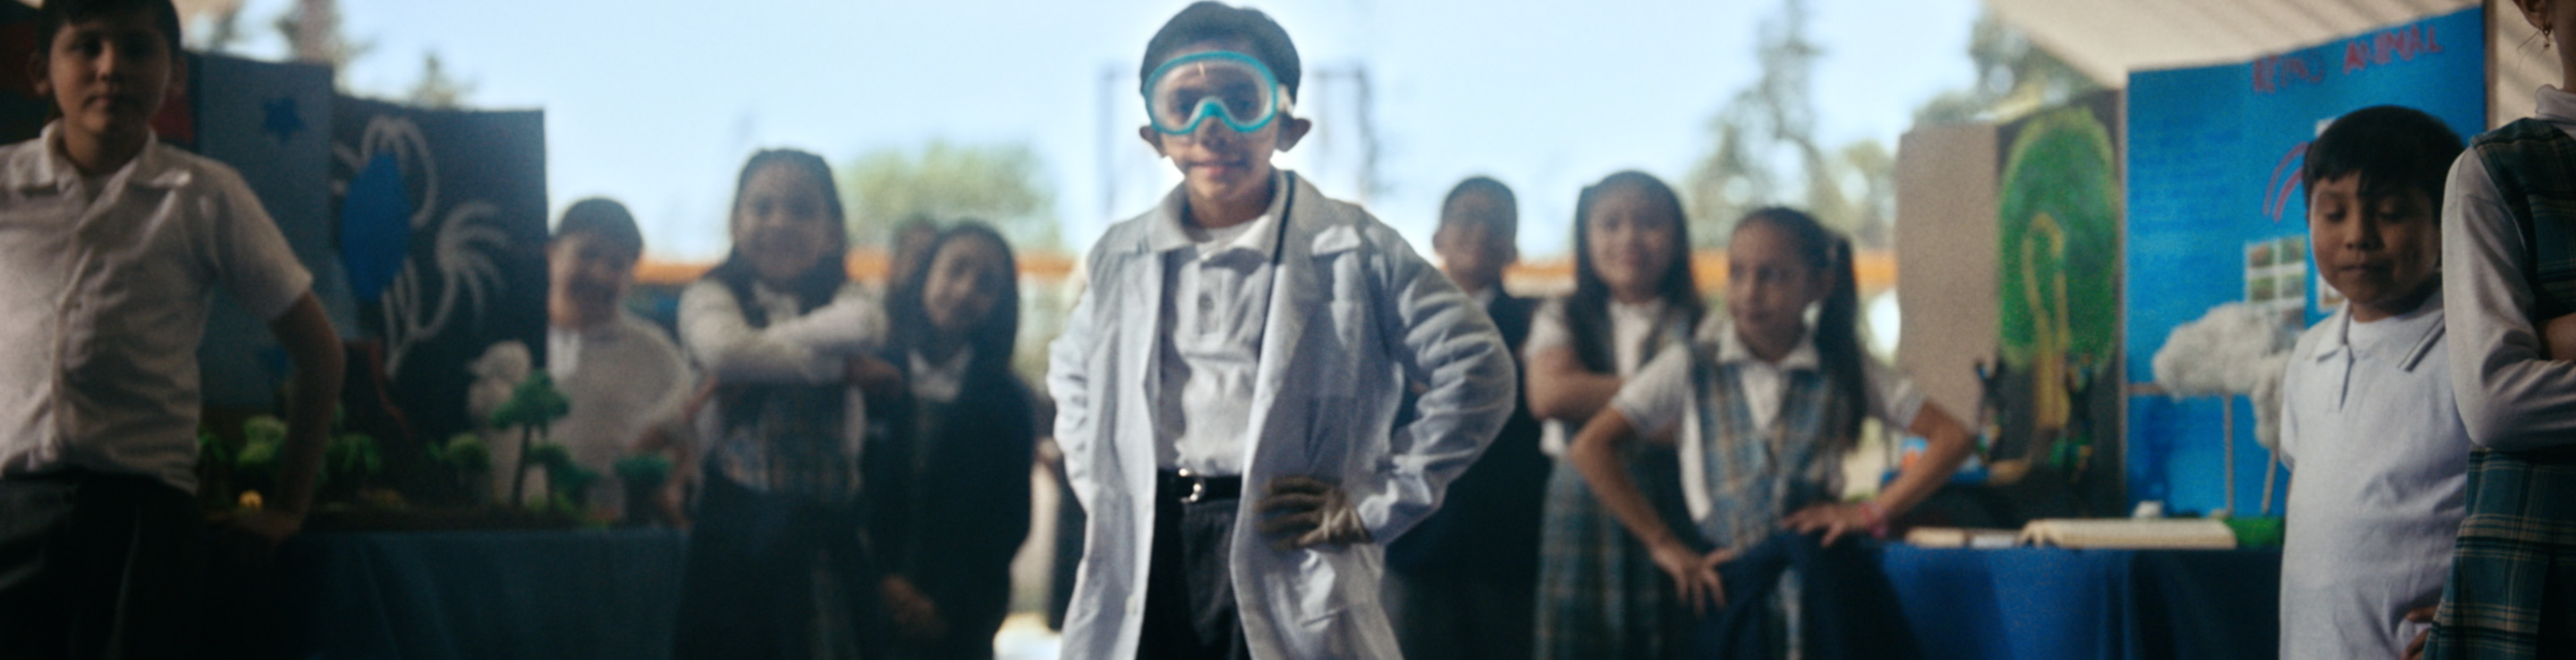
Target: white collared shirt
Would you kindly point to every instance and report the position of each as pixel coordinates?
(1632, 342)
(622, 376)
(939, 382)
(2510, 396)
(2379, 471)
(1661, 395)
(1216, 297)
(103, 300)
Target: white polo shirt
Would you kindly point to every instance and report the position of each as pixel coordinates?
(1638, 332)
(2379, 464)
(1216, 297)
(103, 300)
(623, 377)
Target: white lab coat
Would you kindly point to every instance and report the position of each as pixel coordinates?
(1353, 315)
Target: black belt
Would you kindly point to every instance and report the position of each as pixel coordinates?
(1188, 486)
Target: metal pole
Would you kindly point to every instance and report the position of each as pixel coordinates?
(2227, 417)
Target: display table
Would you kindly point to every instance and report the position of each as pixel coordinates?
(2043, 603)
(612, 595)
(477, 595)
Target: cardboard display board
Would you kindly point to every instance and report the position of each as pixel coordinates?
(2217, 215)
(442, 223)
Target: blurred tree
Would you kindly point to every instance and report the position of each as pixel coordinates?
(2014, 77)
(312, 31)
(999, 184)
(1765, 151)
(222, 35)
(436, 89)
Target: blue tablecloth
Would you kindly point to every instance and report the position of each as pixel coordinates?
(612, 595)
(2050, 604)
(481, 595)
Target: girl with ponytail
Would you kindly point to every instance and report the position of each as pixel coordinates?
(1765, 411)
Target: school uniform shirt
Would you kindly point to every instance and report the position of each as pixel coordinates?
(796, 347)
(1351, 314)
(1637, 331)
(2378, 464)
(622, 377)
(104, 289)
(2511, 398)
(1210, 340)
(1660, 396)
(949, 495)
(2518, 406)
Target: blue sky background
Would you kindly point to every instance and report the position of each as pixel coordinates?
(656, 102)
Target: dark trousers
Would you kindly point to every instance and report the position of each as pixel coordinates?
(96, 565)
(749, 589)
(1189, 595)
(1446, 616)
(1848, 610)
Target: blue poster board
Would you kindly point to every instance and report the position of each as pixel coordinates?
(2216, 215)
(271, 122)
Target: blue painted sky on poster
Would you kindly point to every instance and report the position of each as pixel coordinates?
(2212, 171)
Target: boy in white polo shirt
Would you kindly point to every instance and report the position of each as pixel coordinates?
(2376, 448)
(111, 246)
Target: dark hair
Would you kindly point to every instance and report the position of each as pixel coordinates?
(56, 14)
(2394, 149)
(992, 339)
(1587, 312)
(818, 285)
(605, 220)
(1508, 224)
(915, 224)
(1837, 330)
(1206, 20)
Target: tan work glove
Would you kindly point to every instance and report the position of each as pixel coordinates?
(1305, 512)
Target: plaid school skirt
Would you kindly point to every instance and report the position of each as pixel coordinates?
(1599, 592)
(2512, 592)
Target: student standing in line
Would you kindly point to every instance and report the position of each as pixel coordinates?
(1599, 595)
(1463, 583)
(1228, 384)
(948, 488)
(2369, 429)
(112, 245)
(2506, 292)
(1765, 415)
(623, 376)
(776, 568)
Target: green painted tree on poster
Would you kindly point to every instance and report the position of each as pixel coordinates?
(2058, 254)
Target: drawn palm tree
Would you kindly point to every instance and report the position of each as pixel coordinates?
(461, 271)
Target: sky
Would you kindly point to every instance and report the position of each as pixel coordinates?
(657, 102)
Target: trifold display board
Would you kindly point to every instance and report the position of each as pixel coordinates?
(2217, 215)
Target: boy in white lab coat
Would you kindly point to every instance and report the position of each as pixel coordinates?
(1227, 386)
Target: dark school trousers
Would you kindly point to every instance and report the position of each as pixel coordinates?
(749, 590)
(99, 565)
(1848, 610)
(1189, 594)
(1447, 616)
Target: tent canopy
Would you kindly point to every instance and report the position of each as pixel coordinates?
(2106, 39)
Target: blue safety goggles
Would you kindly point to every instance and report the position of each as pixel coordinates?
(1232, 87)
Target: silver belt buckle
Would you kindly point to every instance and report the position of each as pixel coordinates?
(1198, 488)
